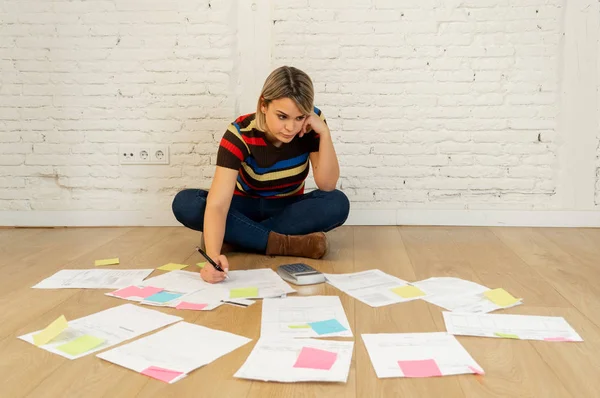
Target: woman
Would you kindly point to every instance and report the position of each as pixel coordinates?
(256, 200)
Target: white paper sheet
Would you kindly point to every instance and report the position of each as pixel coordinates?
(114, 325)
(279, 316)
(268, 283)
(476, 303)
(526, 327)
(273, 360)
(450, 357)
(94, 278)
(449, 286)
(372, 287)
(182, 347)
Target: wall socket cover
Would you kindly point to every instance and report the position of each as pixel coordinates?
(143, 154)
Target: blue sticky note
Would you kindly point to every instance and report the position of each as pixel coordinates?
(328, 326)
(163, 297)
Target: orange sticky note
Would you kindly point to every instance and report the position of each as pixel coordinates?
(500, 297)
(408, 291)
(51, 331)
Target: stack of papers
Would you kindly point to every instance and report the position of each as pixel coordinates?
(93, 279)
(98, 331)
(525, 327)
(172, 353)
(185, 289)
(295, 360)
(418, 355)
(374, 287)
(459, 295)
(293, 317)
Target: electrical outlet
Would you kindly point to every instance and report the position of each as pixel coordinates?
(143, 154)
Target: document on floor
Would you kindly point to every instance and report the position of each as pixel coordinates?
(525, 327)
(172, 353)
(374, 287)
(314, 316)
(168, 289)
(93, 279)
(104, 329)
(298, 360)
(418, 355)
(455, 294)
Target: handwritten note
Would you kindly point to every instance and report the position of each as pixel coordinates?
(328, 326)
(108, 261)
(420, 368)
(408, 291)
(313, 358)
(242, 292)
(80, 345)
(172, 267)
(51, 331)
(161, 374)
(500, 297)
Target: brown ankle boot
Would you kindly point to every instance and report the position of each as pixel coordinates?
(311, 245)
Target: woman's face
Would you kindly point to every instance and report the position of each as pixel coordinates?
(284, 120)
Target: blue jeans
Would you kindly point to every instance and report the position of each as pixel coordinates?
(250, 220)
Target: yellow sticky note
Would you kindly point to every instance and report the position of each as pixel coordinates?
(408, 291)
(243, 292)
(80, 345)
(299, 326)
(172, 267)
(500, 297)
(507, 335)
(108, 261)
(201, 265)
(51, 331)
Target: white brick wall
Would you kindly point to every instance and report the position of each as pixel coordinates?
(458, 101)
(81, 77)
(433, 104)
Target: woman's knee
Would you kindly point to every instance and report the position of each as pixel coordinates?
(188, 207)
(338, 205)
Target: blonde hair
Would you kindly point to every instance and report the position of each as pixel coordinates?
(286, 82)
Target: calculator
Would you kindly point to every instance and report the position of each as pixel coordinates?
(300, 274)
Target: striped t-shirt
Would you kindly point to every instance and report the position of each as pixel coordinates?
(266, 171)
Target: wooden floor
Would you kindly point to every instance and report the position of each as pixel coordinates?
(555, 271)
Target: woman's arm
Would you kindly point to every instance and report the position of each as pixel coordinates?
(215, 215)
(217, 206)
(326, 169)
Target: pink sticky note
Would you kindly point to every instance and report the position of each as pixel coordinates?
(184, 305)
(161, 374)
(476, 371)
(127, 292)
(313, 358)
(149, 291)
(420, 368)
(556, 339)
(134, 291)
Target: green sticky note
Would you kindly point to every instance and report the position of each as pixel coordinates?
(243, 292)
(172, 267)
(507, 335)
(299, 326)
(201, 265)
(80, 345)
(408, 291)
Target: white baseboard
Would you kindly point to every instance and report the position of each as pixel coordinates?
(357, 217)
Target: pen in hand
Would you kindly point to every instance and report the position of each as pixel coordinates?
(211, 261)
